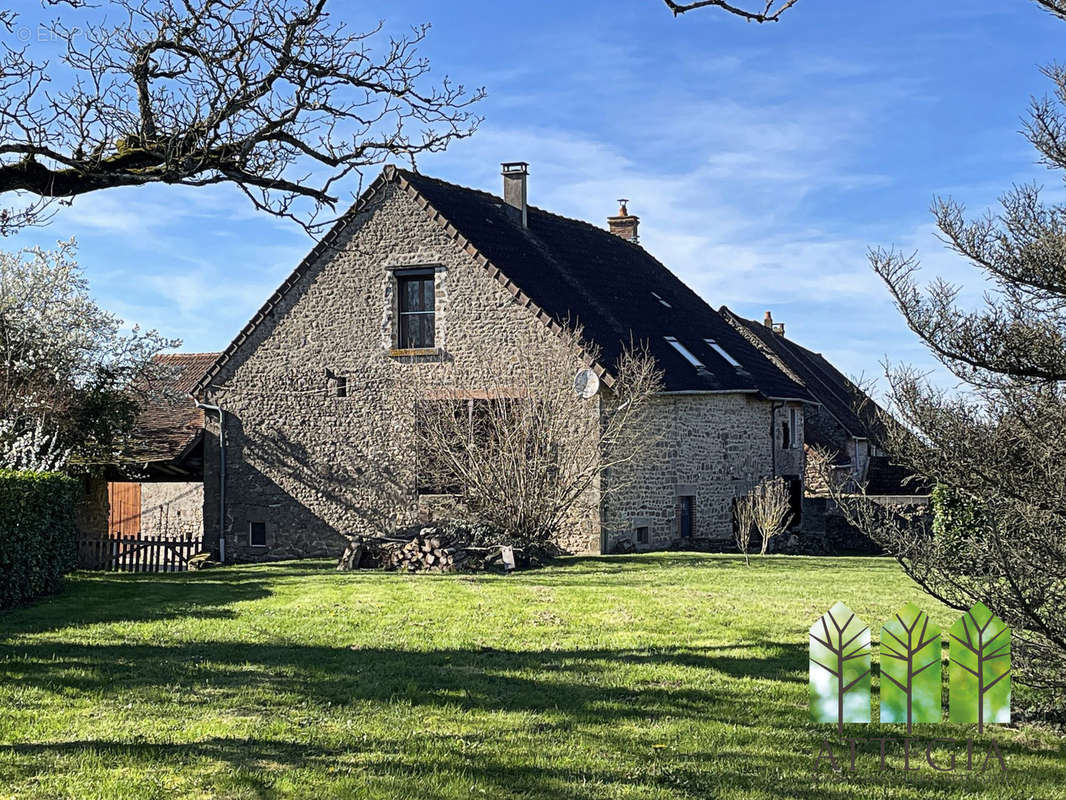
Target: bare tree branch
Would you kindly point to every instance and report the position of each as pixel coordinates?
(771, 10)
(272, 96)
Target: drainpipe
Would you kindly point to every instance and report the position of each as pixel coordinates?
(773, 433)
(221, 476)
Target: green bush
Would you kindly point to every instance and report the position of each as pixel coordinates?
(961, 530)
(37, 540)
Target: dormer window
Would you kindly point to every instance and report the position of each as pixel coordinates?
(417, 310)
(711, 343)
(674, 343)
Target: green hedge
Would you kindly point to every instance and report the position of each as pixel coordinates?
(37, 540)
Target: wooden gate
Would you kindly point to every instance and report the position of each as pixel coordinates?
(138, 553)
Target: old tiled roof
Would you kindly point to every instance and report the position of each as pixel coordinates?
(573, 273)
(857, 413)
(169, 423)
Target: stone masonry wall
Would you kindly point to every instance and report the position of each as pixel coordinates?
(310, 465)
(172, 510)
(710, 447)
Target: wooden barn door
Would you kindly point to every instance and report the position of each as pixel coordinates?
(124, 510)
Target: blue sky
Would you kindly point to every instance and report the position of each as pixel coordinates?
(762, 160)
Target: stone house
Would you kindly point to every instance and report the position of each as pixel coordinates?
(846, 422)
(303, 441)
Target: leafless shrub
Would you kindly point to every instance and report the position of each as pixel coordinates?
(521, 450)
(771, 509)
(744, 517)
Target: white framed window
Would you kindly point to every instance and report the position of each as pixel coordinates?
(674, 343)
(257, 534)
(711, 343)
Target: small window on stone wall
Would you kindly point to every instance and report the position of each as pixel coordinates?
(257, 534)
(340, 386)
(642, 535)
(417, 310)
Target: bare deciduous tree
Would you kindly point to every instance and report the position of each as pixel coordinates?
(744, 517)
(271, 96)
(771, 509)
(523, 451)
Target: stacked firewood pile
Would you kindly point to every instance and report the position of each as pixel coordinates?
(429, 553)
(428, 550)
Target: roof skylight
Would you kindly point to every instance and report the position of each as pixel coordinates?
(711, 343)
(684, 351)
(657, 297)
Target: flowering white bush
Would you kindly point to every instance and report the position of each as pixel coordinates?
(30, 449)
(66, 364)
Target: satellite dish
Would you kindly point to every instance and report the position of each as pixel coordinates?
(586, 383)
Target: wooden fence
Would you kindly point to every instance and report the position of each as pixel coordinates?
(138, 553)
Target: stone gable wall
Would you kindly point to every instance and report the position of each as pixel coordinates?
(313, 466)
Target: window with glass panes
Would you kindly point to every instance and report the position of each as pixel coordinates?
(416, 309)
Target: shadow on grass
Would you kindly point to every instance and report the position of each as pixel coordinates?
(577, 683)
(570, 703)
(89, 598)
(432, 771)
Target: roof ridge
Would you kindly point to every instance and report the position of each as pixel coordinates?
(538, 209)
(821, 370)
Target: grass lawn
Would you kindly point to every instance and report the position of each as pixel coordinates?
(658, 676)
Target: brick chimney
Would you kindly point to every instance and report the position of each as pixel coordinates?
(515, 175)
(625, 224)
(776, 327)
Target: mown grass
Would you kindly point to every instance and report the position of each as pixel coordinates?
(659, 676)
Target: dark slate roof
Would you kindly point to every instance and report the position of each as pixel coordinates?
(580, 274)
(853, 409)
(169, 423)
(885, 478)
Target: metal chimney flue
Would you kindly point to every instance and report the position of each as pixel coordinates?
(515, 178)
